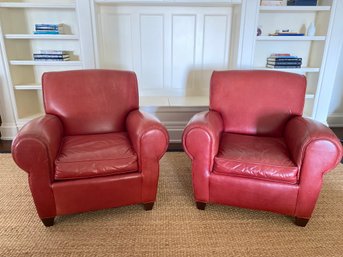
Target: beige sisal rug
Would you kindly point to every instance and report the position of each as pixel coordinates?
(173, 228)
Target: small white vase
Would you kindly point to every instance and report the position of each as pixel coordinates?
(311, 30)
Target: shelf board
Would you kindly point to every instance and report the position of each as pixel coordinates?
(295, 8)
(309, 96)
(290, 38)
(170, 2)
(33, 36)
(46, 63)
(28, 87)
(38, 5)
(295, 70)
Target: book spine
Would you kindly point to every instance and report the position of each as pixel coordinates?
(51, 59)
(284, 59)
(283, 66)
(51, 55)
(47, 32)
(48, 25)
(53, 52)
(284, 63)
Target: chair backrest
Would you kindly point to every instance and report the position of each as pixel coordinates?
(90, 101)
(257, 102)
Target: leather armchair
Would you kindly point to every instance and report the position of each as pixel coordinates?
(93, 149)
(253, 149)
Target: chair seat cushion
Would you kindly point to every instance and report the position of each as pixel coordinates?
(265, 158)
(90, 156)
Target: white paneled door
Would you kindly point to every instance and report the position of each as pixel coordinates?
(172, 49)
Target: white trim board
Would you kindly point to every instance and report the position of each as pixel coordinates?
(335, 120)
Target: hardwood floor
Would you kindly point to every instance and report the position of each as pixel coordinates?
(5, 145)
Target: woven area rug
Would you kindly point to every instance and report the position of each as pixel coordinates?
(173, 228)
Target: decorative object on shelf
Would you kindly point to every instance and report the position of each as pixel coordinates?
(48, 29)
(272, 3)
(302, 2)
(286, 32)
(51, 55)
(311, 31)
(283, 61)
(259, 31)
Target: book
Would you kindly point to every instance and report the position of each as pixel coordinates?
(283, 66)
(283, 63)
(49, 25)
(51, 59)
(302, 2)
(51, 55)
(48, 29)
(48, 51)
(51, 32)
(278, 34)
(284, 58)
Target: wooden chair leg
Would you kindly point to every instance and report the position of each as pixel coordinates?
(48, 222)
(301, 222)
(200, 205)
(148, 206)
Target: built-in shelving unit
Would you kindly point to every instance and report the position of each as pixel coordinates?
(19, 43)
(290, 38)
(35, 5)
(45, 63)
(33, 36)
(312, 49)
(294, 8)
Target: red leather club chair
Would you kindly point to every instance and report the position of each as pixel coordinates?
(253, 149)
(93, 149)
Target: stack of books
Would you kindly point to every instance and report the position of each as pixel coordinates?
(51, 55)
(283, 61)
(48, 29)
(286, 32)
(302, 2)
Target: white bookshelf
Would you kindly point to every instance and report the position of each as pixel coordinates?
(290, 38)
(312, 49)
(294, 8)
(45, 63)
(41, 36)
(42, 5)
(18, 44)
(295, 70)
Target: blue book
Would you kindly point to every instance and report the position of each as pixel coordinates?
(52, 32)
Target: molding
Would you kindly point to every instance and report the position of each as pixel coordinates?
(335, 120)
(8, 131)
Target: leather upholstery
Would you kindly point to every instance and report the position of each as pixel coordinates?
(93, 149)
(265, 158)
(99, 109)
(265, 100)
(95, 155)
(253, 149)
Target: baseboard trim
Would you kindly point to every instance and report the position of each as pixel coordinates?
(8, 131)
(335, 120)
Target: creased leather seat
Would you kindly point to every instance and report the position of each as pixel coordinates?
(93, 149)
(265, 158)
(95, 155)
(253, 149)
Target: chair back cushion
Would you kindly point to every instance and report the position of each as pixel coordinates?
(257, 102)
(90, 101)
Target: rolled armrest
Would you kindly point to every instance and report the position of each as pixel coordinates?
(148, 136)
(308, 139)
(37, 143)
(201, 136)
